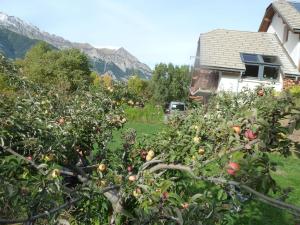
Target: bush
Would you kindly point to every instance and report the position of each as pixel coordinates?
(295, 90)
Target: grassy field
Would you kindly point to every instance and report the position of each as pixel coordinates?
(141, 129)
(256, 213)
(147, 114)
(287, 175)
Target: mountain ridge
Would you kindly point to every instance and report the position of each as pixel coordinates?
(118, 62)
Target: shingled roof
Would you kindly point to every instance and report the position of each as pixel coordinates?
(289, 11)
(221, 49)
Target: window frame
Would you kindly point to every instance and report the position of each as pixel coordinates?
(261, 65)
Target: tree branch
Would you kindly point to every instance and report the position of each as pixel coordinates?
(219, 180)
(54, 210)
(39, 167)
(236, 149)
(23, 158)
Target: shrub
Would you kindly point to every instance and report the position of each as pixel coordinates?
(295, 90)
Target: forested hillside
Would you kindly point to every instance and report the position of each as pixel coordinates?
(14, 45)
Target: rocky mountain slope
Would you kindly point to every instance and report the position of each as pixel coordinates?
(17, 36)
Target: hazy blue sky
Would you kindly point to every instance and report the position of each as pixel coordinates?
(152, 30)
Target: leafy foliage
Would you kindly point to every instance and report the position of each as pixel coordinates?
(200, 170)
(67, 69)
(139, 87)
(170, 83)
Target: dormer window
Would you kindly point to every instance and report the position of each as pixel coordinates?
(262, 67)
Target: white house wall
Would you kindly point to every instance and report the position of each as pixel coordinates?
(228, 82)
(292, 45)
(277, 27)
(253, 84)
(233, 83)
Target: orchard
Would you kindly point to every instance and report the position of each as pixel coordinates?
(56, 166)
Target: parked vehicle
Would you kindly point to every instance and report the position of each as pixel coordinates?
(175, 108)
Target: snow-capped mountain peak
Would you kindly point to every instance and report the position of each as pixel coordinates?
(117, 60)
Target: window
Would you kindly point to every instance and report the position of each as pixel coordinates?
(270, 72)
(251, 71)
(262, 67)
(270, 59)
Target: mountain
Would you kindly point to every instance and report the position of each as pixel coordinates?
(17, 36)
(14, 45)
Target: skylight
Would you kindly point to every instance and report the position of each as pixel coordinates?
(262, 67)
(260, 59)
(296, 5)
(250, 58)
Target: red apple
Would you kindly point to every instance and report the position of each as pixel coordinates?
(185, 205)
(231, 172)
(233, 167)
(29, 158)
(61, 121)
(143, 154)
(165, 195)
(250, 134)
(260, 92)
(129, 168)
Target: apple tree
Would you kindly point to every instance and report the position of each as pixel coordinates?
(56, 165)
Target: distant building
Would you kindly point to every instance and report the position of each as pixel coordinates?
(229, 60)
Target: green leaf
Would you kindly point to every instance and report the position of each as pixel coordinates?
(195, 197)
(222, 195)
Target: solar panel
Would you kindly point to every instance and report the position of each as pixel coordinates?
(296, 5)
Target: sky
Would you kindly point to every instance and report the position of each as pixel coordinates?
(152, 30)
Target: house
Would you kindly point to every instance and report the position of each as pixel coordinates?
(283, 19)
(230, 60)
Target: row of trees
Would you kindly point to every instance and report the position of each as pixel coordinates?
(69, 69)
(168, 83)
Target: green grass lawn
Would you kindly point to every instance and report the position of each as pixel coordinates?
(287, 175)
(141, 129)
(256, 213)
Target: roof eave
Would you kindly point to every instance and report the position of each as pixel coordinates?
(220, 68)
(268, 13)
(292, 74)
